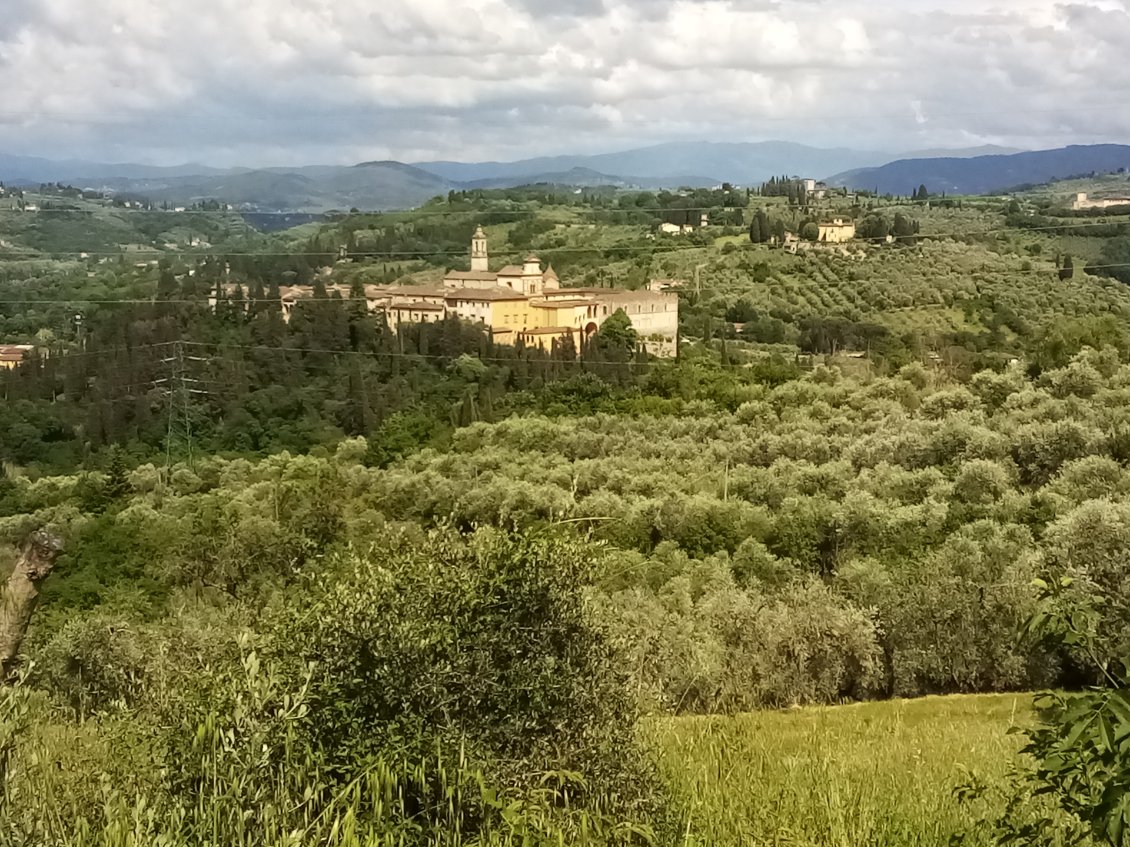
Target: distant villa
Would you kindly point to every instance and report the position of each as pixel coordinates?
(1083, 202)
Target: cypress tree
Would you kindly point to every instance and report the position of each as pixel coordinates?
(763, 225)
(755, 231)
(1068, 269)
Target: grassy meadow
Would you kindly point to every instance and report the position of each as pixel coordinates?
(879, 773)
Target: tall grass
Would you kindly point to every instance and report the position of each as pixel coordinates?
(249, 782)
(865, 774)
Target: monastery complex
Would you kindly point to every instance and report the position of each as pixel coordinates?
(519, 303)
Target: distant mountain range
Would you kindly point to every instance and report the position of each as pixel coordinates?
(986, 174)
(394, 185)
(314, 189)
(34, 170)
(692, 163)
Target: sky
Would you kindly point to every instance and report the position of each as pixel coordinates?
(289, 82)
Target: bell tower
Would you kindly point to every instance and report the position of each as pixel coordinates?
(479, 257)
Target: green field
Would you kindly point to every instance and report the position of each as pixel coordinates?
(868, 773)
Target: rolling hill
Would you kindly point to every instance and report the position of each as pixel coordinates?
(668, 164)
(986, 174)
(393, 185)
(370, 185)
(587, 177)
(35, 170)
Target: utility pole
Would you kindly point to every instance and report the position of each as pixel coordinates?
(178, 390)
(80, 335)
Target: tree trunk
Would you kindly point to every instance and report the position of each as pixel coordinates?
(20, 597)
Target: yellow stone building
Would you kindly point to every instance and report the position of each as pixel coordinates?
(518, 303)
(527, 278)
(12, 354)
(837, 231)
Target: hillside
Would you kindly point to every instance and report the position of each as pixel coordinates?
(70, 226)
(588, 178)
(372, 185)
(34, 170)
(863, 456)
(986, 174)
(393, 185)
(667, 164)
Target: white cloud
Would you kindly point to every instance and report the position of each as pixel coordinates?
(288, 81)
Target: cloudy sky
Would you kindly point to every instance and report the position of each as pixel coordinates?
(338, 81)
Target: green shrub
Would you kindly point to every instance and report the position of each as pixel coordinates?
(479, 646)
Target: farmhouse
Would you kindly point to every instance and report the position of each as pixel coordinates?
(837, 231)
(1083, 202)
(814, 190)
(12, 354)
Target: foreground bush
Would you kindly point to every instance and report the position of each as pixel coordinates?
(443, 690)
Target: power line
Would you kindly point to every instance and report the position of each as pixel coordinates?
(397, 355)
(415, 215)
(423, 213)
(364, 254)
(421, 255)
(407, 291)
(217, 350)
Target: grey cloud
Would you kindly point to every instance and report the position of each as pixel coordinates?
(562, 8)
(266, 81)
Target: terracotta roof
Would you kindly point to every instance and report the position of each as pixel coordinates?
(512, 270)
(296, 292)
(485, 294)
(572, 292)
(550, 273)
(417, 291)
(479, 275)
(562, 304)
(418, 307)
(641, 294)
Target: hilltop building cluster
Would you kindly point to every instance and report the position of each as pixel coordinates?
(518, 303)
(814, 190)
